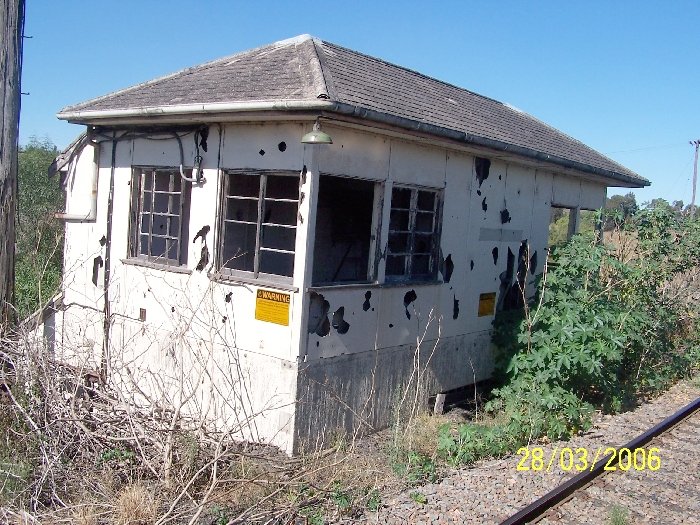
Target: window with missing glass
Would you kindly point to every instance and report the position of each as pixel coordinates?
(159, 215)
(413, 234)
(258, 223)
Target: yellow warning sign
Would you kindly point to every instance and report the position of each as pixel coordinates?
(487, 304)
(272, 307)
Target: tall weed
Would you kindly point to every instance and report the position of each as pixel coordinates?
(604, 329)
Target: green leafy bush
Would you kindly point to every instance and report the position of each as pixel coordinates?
(602, 331)
(39, 251)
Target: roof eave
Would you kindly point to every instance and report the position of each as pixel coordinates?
(626, 180)
(96, 116)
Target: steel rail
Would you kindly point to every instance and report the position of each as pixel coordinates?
(539, 507)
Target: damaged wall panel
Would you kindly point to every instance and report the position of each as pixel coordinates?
(359, 311)
(456, 217)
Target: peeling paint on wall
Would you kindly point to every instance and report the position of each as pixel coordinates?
(228, 296)
(103, 241)
(505, 216)
(471, 264)
(481, 166)
(366, 305)
(318, 315)
(447, 268)
(522, 261)
(407, 300)
(494, 253)
(455, 307)
(484, 206)
(533, 263)
(97, 263)
(203, 258)
(340, 324)
(202, 233)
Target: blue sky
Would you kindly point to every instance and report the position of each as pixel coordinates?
(620, 76)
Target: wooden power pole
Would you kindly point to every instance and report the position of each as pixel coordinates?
(11, 35)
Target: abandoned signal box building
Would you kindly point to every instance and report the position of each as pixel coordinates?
(282, 241)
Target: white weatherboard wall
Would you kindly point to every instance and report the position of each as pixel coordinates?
(200, 341)
(351, 381)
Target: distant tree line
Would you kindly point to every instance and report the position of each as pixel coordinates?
(39, 243)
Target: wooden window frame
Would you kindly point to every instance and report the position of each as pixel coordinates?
(259, 223)
(409, 254)
(139, 175)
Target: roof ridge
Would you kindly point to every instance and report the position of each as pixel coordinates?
(280, 43)
(325, 70)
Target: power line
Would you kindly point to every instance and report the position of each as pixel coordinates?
(645, 148)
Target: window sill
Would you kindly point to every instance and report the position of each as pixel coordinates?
(373, 284)
(156, 266)
(237, 279)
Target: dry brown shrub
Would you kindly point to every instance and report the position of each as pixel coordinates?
(421, 433)
(85, 515)
(136, 505)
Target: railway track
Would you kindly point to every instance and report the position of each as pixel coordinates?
(654, 478)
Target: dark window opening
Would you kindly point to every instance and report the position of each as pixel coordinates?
(259, 220)
(159, 216)
(413, 234)
(344, 230)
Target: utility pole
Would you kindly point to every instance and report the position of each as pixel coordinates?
(11, 35)
(695, 143)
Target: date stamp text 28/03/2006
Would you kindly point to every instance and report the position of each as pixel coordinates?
(579, 459)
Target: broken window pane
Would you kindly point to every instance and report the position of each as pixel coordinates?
(243, 185)
(413, 231)
(278, 237)
(239, 246)
(280, 212)
(279, 187)
(276, 263)
(344, 218)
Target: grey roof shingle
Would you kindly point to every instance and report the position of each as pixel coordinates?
(307, 69)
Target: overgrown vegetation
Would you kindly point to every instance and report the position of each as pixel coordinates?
(39, 248)
(78, 452)
(609, 324)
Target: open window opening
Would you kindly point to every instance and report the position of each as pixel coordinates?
(413, 235)
(566, 222)
(346, 219)
(258, 223)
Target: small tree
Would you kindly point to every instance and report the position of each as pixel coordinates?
(39, 234)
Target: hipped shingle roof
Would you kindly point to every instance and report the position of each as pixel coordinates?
(305, 71)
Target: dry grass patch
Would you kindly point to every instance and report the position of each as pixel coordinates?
(136, 505)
